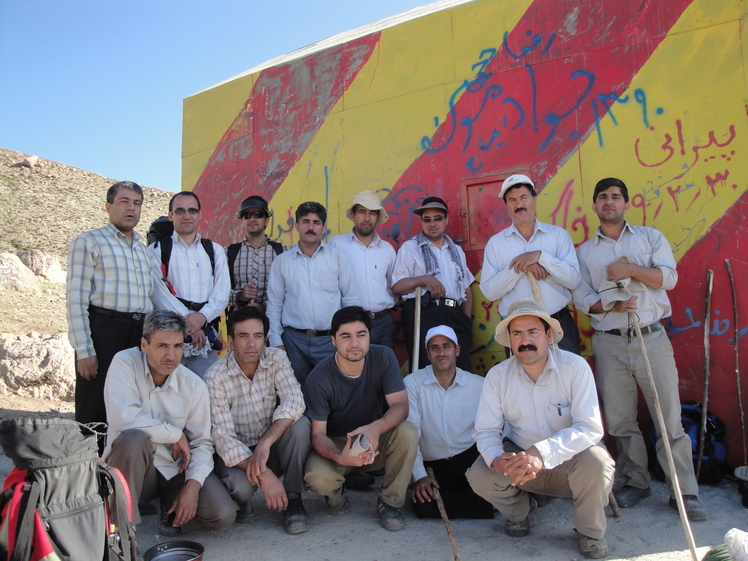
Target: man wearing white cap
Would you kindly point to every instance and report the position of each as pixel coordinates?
(434, 262)
(530, 246)
(372, 260)
(538, 430)
(442, 401)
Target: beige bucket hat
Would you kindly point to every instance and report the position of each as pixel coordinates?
(368, 199)
(527, 308)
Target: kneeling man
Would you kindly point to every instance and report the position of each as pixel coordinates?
(358, 407)
(159, 431)
(258, 423)
(538, 430)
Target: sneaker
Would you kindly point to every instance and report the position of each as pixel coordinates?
(390, 517)
(629, 496)
(294, 517)
(166, 523)
(359, 480)
(517, 529)
(246, 514)
(591, 547)
(694, 509)
(339, 510)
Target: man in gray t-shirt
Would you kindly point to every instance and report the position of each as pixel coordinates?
(358, 406)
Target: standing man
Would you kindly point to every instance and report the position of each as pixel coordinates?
(250, 259)
(433, 261)
(442, 401)
(538, 430)
(526, 246)
(307, 285)
(358, 406)
(194, 269)
(159, 431)
(372, 260)
(626, 271)
(258, 423)
(109, 284)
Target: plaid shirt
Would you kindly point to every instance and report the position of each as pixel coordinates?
(105, 270)
(241, 410)
(253, 264)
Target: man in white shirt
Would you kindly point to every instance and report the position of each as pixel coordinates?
(626, 271)
(442, 401)
(530, 246)
(372, 260)
(258, 423)
(159, 431)
(194, 269)
(434, 262)
(538, 430)
(307, 285)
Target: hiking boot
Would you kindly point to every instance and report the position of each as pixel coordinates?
(536, 501)
(339, 510)
(694, 509)
(359, 480)
(246, 513)
(166, 522)
(592, 548)
(517, 529)
(390, 517)
(294, 517)
(629, 496)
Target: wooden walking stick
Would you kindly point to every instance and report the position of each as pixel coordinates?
(417, 332)
(445, 519)
(660, 421)
(735, 344)
(707, 321)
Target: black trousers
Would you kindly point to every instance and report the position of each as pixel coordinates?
(570, 340)
(459, 499)
(431, 316)
(110, 335)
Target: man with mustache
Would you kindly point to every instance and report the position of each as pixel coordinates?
(307, 285)
(159, 431)
(538, 430)
(530, 246)
(373, 261)
(626, 271)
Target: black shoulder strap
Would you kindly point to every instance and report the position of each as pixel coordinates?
(208, 247)
(231, 253)
(25, 532)
(277, 247)
(166, 245)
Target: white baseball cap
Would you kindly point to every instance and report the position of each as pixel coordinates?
(444, 330)
(513, 181)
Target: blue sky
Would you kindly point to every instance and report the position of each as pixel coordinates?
(99, 84)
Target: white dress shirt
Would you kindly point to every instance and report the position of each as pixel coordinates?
(410, 264)
(557, 256)
(559, 414)
(646, 247)
(193, 279)
(372, 267)
(444, 418)
(181, 405)
(304, 292)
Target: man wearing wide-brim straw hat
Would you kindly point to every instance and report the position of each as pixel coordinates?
(538, 429)
(372, 260)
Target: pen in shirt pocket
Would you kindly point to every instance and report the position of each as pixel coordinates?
(558, 408)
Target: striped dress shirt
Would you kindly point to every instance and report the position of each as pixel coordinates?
(253, 264)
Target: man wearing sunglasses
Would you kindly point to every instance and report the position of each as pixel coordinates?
(250, 260)
(434, 262)
(195, 271)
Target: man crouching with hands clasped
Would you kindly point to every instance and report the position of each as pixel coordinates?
(538, 430)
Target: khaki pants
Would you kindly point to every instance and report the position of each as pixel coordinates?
(397, 453)
(587, 478)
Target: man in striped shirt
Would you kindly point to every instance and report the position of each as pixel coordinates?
(109, 287)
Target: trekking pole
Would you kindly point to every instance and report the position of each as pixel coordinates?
(666, 441)
(445, 519)
(417, 332)
(735, 344)
(707, 312)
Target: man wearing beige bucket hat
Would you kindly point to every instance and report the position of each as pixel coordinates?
(538, 429)
(372, 260)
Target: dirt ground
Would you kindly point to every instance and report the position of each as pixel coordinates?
(650, 532)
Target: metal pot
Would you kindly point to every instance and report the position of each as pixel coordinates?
(181, 550)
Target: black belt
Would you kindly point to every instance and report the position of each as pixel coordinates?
(646, 330)
(377, 315)
(309, 332)
(448, 302)
(192, 306)
(136, 316)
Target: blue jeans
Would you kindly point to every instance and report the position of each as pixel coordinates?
(305, 352)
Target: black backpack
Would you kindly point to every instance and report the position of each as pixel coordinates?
(233, 250)
(62, 502)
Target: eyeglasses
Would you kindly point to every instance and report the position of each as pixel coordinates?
(256, 214)
(437, 218)
(180, 211)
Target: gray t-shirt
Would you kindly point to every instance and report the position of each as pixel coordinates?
(347, 403)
